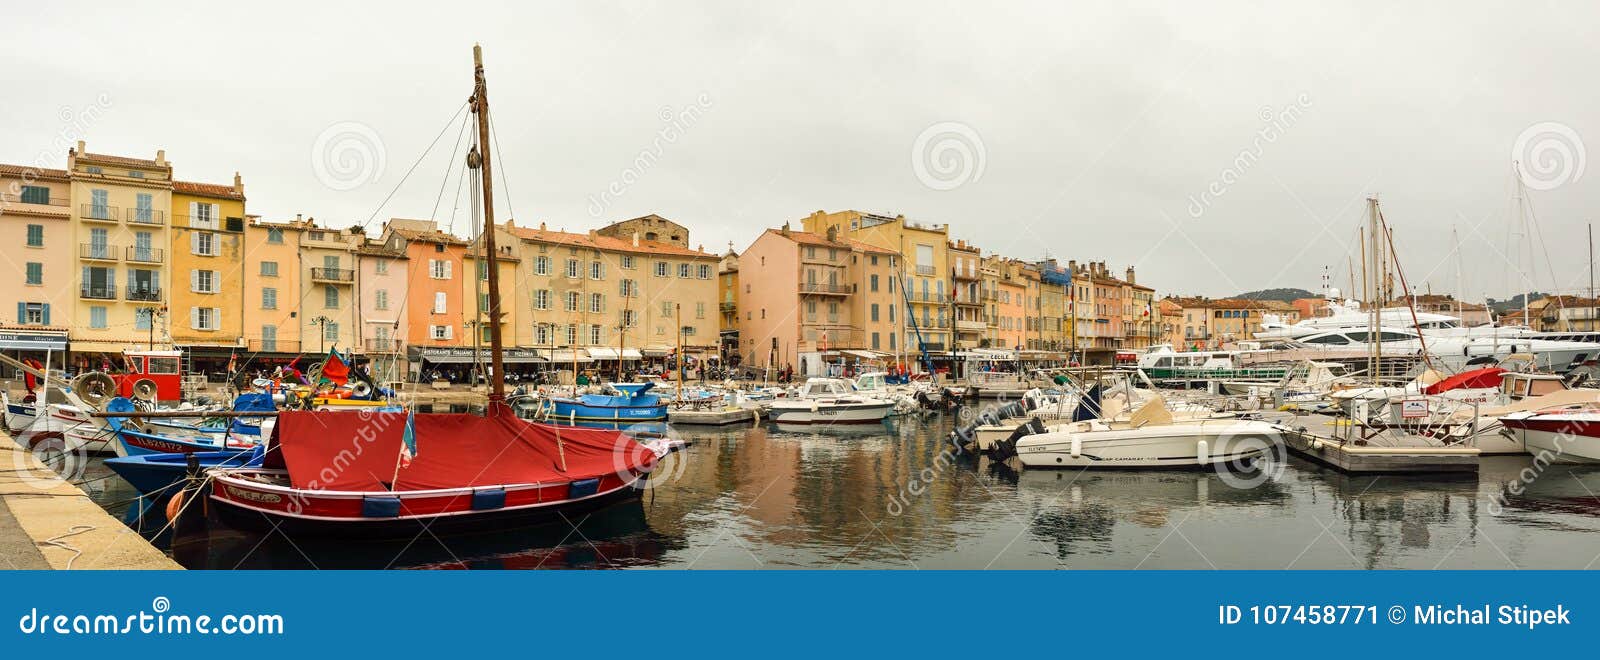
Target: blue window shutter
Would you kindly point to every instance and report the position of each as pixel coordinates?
(22, 313)
(47, 313)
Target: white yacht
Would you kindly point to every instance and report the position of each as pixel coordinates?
(1459, 353)
(1150, 438)
(829, 401)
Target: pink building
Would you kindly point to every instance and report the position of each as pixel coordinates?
(35, 234)
(381, 276)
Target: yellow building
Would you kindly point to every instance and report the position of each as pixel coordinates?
(966, 295)
(924, 266)
(119, 216)
(206, 254)
(329, 311)
(728, 301)
(272, 286)
(477, 288)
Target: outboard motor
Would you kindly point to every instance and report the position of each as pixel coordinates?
(1008, 447)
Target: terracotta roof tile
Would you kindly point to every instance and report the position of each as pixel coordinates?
(608, 243)
(123, 160)
(36, 172)
(206, 189)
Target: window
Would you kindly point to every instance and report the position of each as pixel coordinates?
(661, 269)
(594, 334)
(330, 262)
(315, 236)
(330, 331)
(98, 209)
(439, 302)
(35, 273)
(142, 318)
(541, 265)
(874, 341)
(380, 298)
(35, 195)
(629, 289)
(143, 207)
(572, 269)
(874, 314)
(597, 302)
(275, 236)
(330, 296)
(872, 284)
(440, 332)
(666, 309)
(93, 169)
(597, 270)
(438, 247)
(705, 271)
(203, 243)
(269, 269)
(97, 317)
(541, 334)
(541, 299)
(627, 261)
(572, 334)
(572, 301)
(204, 216)
(33, 314)
(136, 174)
(203, 281)
(439, 269)
(699, 310)
(269, 338)
(203, 318)
(630, 318)
(381, 267)
(683, 271)
(269, 298)
(35, 235)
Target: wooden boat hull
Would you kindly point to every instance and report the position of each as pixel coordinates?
(245, 503)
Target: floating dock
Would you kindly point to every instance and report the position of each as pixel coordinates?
(1320, 442)
(47, 522)
(714, 417)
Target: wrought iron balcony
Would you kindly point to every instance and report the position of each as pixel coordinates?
(382, 345)
(144, 293)
(100, 292)
(146, 217)
(146, 255)
(825, 288)
(334, 275)
(100, 213)
(97, 252)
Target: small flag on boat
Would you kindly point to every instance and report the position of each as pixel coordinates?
(233, 362)
(408, 440)
(334, 369)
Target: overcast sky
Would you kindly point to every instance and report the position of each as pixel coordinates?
(1106, 132)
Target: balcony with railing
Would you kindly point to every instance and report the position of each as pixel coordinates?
(971, 326)
(145, 255)
(819, 336)
(333, 275)
(97, 292)
(825, 288)
(965, 274)
(24, 199)
(138, 293)
(97, 252)
(382, 345)
(100, 213)
(273, 346)
(925, 270)
(147, 217)
(727, 307)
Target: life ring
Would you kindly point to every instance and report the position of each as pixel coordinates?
(95, 388)
(145, 389)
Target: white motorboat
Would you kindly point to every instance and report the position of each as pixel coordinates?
(1150, 438)
(1567, 434)
(1460, 353)
(829, 401)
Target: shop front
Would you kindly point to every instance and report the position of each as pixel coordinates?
(460, 365)
(49, 347)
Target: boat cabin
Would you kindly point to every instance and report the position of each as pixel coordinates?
(163, 370)
(1516, 385)
(872, 381)
(816, 387)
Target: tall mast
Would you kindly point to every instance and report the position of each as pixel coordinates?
(480, 106)
(1591, 277)
(1522, 222)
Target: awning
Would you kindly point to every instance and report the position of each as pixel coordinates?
(33, 341)
(441, 355)
(600, 353)
(565, 356)
(869, 355)
(656, 352)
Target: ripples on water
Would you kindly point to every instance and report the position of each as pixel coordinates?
(897, 496)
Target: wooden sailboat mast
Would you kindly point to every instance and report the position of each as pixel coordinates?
(480, 106)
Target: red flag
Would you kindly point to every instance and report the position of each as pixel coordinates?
(334, 369)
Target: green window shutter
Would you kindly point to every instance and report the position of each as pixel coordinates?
(47, 313)
(22, 313)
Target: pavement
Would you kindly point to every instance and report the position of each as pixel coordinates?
(48, 523)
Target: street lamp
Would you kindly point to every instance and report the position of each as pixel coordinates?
(322, 332)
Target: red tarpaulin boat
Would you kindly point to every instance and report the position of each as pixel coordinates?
(1477, 379)
(341, 473)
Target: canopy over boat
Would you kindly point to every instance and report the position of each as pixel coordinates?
(1488, 377)
(359, 451)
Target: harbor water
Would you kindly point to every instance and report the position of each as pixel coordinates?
(899, 496)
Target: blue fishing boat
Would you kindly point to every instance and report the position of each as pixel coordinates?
(170, 438)
(634, 403)
(154, 473)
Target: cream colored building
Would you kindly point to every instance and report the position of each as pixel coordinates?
(121, 206)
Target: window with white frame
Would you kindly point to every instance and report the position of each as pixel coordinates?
(203, 318)
(597, 302)
(572, 334)
(381, 267)
(627, 261)
(705, 271)
(541, 265)
(661, 269)
(203, 243)
(597, 270)
(683, 271)
(269, 298)
(630, 318)
(203, 281)
(572, 269)
(441, 332)
(439, 302)
(541, 334)
(439, 269)
(541, 299)
(572, 301)
(380, 298)
(629, 289)
(594, 334)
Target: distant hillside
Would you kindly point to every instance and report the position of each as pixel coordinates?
(1284, 295)
(1514, 304)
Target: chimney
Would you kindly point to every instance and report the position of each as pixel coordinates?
(541, 226)
(81, 148)
(785, 230)
(833, 233)
(161, 156)
(1072, 267)
(591, 233)
(297, 218)
(1130, 276)
(238, 183)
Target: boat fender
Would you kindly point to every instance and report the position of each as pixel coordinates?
(1203, 452)
(175, 505)
(813, 406)
(1077, 445)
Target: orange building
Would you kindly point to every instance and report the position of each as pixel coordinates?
(434, 313)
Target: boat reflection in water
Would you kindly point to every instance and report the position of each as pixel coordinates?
(615, 537)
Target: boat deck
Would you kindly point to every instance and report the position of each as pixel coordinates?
(714, 417)
(1322, 439)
